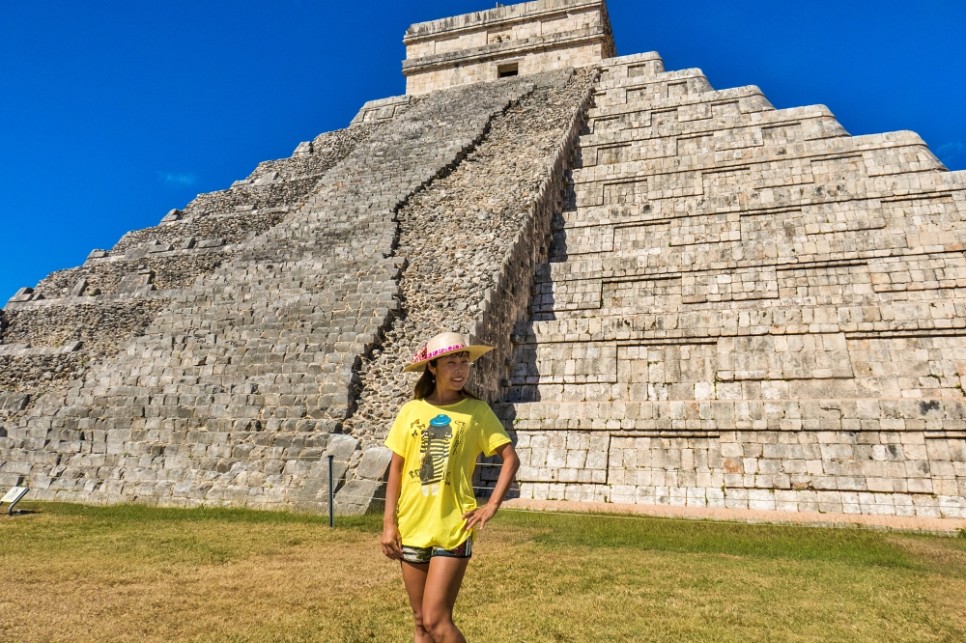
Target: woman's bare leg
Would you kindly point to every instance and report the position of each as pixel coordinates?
(442, 586)
(414, 578)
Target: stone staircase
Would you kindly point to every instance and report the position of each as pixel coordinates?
(234, 387)
(471, 251)
(745, 307)
(56, 334)
(52, 331)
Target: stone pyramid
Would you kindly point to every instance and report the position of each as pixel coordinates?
(695, 299)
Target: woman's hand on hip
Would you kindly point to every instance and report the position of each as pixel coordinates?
(479, 516)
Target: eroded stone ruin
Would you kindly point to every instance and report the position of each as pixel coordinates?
(696, 299)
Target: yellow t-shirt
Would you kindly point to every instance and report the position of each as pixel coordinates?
(440, 445)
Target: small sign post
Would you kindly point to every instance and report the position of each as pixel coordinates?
(13, 497)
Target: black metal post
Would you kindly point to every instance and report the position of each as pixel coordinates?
(331, 495)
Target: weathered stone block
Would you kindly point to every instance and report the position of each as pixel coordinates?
(374, 463)
(360, 496)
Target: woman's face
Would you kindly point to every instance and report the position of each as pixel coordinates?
(451, 371)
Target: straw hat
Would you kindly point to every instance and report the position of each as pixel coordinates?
(445, 344)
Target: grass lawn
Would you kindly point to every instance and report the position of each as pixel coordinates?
(130, 573)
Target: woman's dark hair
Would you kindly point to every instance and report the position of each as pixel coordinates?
(426, 384)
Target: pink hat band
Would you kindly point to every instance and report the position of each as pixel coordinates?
(445, 344)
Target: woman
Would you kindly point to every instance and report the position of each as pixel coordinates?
(431, 510)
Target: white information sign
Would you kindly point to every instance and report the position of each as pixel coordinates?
(13, 497)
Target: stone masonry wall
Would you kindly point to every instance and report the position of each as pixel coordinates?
(746, 307)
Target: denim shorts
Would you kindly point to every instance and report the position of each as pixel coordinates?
(424, 554)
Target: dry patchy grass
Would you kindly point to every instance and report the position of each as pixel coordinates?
(73, 573)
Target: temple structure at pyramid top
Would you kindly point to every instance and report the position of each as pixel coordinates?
(520, 39)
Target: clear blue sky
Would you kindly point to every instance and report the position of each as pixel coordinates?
(112, 112)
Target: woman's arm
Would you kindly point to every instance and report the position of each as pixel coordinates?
(511, 462)
(391, 540)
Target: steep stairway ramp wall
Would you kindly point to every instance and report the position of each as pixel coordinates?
(471, 241)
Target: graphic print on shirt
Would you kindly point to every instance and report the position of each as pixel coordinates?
(435, 449)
